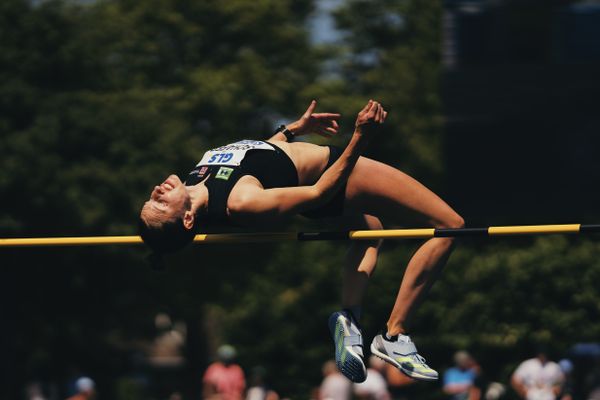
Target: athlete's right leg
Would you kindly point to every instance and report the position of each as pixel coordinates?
(360, 263)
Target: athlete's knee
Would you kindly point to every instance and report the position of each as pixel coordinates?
(457, 222)
(452, 221)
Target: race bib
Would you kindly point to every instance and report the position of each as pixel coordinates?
(232, 154)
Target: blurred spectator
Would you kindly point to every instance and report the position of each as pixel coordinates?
(538, 378)
(401, 387)
(224, 379)
(483, 389)
(494, 391)
(175, 396)
(86, 389)
(165, 357)
(259, 389)
(459, 379)
(375, 386)
(166, 350)
(34, 391)
(335, 386)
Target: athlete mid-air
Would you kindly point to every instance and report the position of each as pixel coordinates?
(255, 183)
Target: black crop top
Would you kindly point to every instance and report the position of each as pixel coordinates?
(273, 168)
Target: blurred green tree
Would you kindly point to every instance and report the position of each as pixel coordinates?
(391, 52)
(99, 100)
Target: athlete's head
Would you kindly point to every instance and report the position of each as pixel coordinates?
(166, 219)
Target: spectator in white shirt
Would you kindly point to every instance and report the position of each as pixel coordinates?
(538, 378)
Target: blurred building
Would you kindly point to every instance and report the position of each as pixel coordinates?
(520, 88)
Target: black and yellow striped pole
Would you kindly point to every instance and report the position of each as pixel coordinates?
(423, 233)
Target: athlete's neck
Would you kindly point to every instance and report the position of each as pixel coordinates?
(198, 196)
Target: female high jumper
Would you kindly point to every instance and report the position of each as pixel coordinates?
(255, 183)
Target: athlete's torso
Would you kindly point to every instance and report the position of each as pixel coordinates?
(226, 170)
(309, 159)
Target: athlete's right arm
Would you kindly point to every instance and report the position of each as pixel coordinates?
(335, 176)
(271, 204)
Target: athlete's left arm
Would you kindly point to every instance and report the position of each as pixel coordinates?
(324, 124)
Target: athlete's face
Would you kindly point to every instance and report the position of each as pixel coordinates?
(168, 198)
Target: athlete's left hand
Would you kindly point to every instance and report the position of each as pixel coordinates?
(324, 124)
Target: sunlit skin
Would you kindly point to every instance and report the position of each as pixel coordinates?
(169, 198)
(374, 192)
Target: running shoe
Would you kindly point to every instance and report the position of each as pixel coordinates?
(348, 346)
(402, 353)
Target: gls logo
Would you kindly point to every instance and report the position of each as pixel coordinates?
(220, 158)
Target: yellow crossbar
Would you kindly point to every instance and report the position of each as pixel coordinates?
(312, 236)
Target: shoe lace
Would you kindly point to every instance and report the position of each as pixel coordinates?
(419, 358)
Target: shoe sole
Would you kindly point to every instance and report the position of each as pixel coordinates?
(410, 374)
(352, 366)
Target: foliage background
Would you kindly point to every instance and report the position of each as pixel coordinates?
(100, 99)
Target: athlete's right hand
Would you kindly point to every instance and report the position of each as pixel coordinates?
(370, 116)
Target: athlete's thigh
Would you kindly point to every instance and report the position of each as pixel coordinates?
(378, 189)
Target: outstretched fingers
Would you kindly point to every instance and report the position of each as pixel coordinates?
(327, 115)
(325, 124)
(327, 128)
(310, 109)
